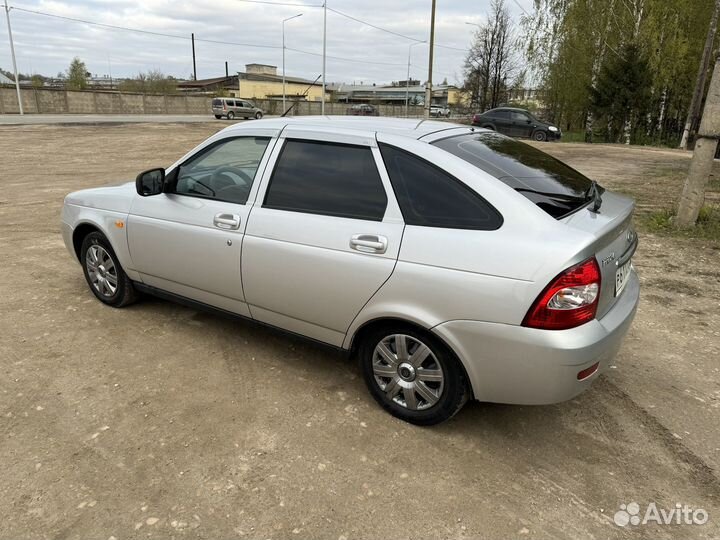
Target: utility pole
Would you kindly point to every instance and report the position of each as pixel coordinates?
(693, 193)
(12, 53)
(227, 72)
(192, 38)
(428, 87)
(322, 103)
(696, 102)
(283, 55)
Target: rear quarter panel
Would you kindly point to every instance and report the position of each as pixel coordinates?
(455, 274)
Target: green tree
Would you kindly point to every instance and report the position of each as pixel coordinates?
(152, 82)
(620, 99)
(569, 41)
(77, 75)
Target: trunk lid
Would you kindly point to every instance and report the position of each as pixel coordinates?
(615, 241)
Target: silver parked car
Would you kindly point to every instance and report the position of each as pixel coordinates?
(453, 261)
(235, 108)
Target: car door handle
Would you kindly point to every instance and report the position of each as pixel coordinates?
(369, 243)
(227, 221)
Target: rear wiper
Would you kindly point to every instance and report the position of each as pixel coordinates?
(593, 193)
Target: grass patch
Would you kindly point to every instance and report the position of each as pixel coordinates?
(662, 222)
(573, 136)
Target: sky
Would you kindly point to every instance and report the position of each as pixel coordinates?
(356, 52)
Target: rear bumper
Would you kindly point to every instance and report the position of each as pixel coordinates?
(527, 366)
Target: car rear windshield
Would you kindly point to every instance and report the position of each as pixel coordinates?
(217, 103)
(555, 187)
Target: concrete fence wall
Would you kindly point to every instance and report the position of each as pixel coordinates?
(58, 101)
(308, 108)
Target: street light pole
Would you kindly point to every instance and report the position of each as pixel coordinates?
(283, 53)
(322, 103)
(12, 52)
(428, 87)
(407, 80)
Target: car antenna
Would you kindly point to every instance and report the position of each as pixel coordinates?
(290, 108)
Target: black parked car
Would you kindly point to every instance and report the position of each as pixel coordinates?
(517, 123)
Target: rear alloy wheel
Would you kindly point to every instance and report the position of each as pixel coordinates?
(489, 126)
(413, 376)
(230, 115)
(103, 273)
(540, 136)
(258, 115)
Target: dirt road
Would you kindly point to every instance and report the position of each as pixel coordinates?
(159, 421)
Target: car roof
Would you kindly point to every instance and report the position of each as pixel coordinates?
(408, 127)
(508, 109)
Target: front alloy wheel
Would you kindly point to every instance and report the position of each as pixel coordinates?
(103, 273)
(412, 374)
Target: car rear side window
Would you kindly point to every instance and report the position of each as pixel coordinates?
(553, 186)
(326, 178)
(430, 197)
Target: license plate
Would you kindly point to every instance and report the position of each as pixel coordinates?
(621, 277)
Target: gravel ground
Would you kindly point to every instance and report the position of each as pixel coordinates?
(160, 421)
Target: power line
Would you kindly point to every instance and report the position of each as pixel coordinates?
(213, 41)
(267, 2)
(219, 42)
(398, 34)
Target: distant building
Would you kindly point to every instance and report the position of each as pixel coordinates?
(525, 94)
(396, 93)
(213, 85)
(261, 81)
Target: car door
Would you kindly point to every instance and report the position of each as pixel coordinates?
(188, 240)
(323, 236)
(501, 119)
(521, 124)
(245, 109)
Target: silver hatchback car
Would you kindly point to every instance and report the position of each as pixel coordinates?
(452, 261)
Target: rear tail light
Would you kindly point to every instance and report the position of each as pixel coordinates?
(570, 300)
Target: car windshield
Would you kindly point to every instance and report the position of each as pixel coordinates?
(553, 186)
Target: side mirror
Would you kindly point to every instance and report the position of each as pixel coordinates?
(150, 182)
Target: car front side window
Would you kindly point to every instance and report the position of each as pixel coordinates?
(224, 171)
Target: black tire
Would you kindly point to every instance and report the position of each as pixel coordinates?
(124, 293)
(218, 116)
(490, 127)
(540, 136)
(230, 115)
(258, 115)
(453, 392)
